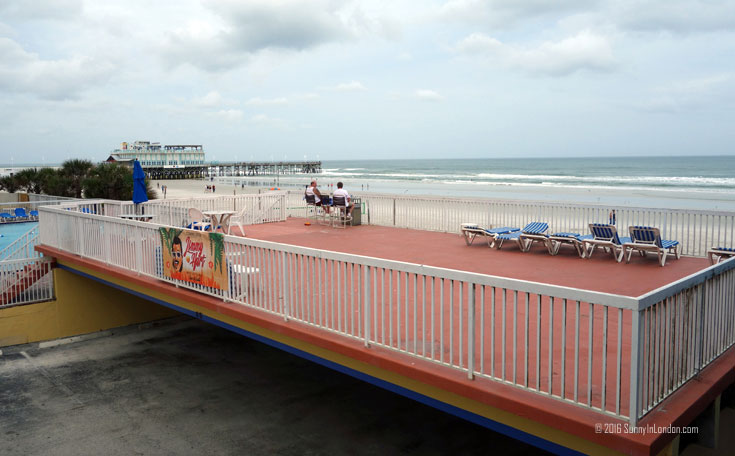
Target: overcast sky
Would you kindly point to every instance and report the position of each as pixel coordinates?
(275, 79)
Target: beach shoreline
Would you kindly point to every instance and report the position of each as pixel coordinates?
(606, 196)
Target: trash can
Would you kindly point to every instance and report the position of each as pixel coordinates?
(357, 212)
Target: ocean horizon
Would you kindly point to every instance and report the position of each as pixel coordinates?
(677, 182)
(683, 182)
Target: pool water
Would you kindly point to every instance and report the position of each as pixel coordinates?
(12, 231)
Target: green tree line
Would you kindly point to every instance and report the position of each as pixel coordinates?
(77, 179)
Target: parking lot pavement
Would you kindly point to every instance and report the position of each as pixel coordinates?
(186, 387)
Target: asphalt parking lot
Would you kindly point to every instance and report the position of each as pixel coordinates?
(186, 387)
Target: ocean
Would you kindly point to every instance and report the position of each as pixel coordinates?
(668, 182)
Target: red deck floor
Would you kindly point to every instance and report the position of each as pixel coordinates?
(598, 273)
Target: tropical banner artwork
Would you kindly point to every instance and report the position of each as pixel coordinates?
(194, 256)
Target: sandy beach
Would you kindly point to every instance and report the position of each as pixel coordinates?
(191, 188)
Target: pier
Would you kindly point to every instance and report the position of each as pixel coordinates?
(233, 169)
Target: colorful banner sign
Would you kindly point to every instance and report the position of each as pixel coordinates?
(194, 256)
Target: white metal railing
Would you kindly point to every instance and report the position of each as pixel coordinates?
(257, 208)
(25, 281)
(48, 199)
(696, 230)
(678, 331)
(600, 351)
(34, 204)
(22, 247)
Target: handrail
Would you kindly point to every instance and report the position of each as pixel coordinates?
(21, 244)
(690, 281)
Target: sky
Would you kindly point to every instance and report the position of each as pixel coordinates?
(372, 79)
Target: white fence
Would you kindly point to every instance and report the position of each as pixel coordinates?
(263, 208)
(26, 280)
(697, 231)
(22, 247)
(596, 350)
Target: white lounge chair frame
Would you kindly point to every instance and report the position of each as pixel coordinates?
(653, 244)
(556, 240)
(604, 241)
(471, 230)
(717, 254)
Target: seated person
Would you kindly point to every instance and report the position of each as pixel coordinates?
(311, 190)
(341, 192)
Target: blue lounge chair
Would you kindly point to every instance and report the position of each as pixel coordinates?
(21, 213)
(648, 239)
(6, 217)
(472, 230)
(717, 254)
(34, 214)
(531, 233)
(576, 240)
(605, 236)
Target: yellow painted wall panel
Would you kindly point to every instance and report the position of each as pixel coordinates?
(82, 306)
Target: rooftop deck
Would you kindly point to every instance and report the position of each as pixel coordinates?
(598, 273)
(538, 352)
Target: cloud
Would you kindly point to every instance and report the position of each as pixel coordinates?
(26, 72)
(478, 43)
(584, 51)
(263, 119)
(40, 9)
(230, 115)
(266, 102)
(210, 100)
(238, 30)
(504, 13)
(427, 95)
(675, 16)
(352, 86)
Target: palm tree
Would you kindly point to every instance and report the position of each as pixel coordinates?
(29, 180)
(111, 181)
(9, 183)
(75, 171)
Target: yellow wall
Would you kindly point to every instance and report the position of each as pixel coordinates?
(82, 306)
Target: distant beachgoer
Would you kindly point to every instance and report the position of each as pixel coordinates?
(612, 217)
(342, 192)
(158, 185)
(213, 189)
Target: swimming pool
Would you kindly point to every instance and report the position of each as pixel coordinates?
(12, 231)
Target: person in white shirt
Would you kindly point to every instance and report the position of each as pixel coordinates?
(341, 192)
(311, 190)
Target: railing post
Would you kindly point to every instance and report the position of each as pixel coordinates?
(394, 212)
(79, 222)
(701, 338)
(138, 250)
(636, 364)
(105, 242)
(286, 286)
(471, 332)
(366, 300)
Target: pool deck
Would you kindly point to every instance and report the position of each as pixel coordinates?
(494, 404)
